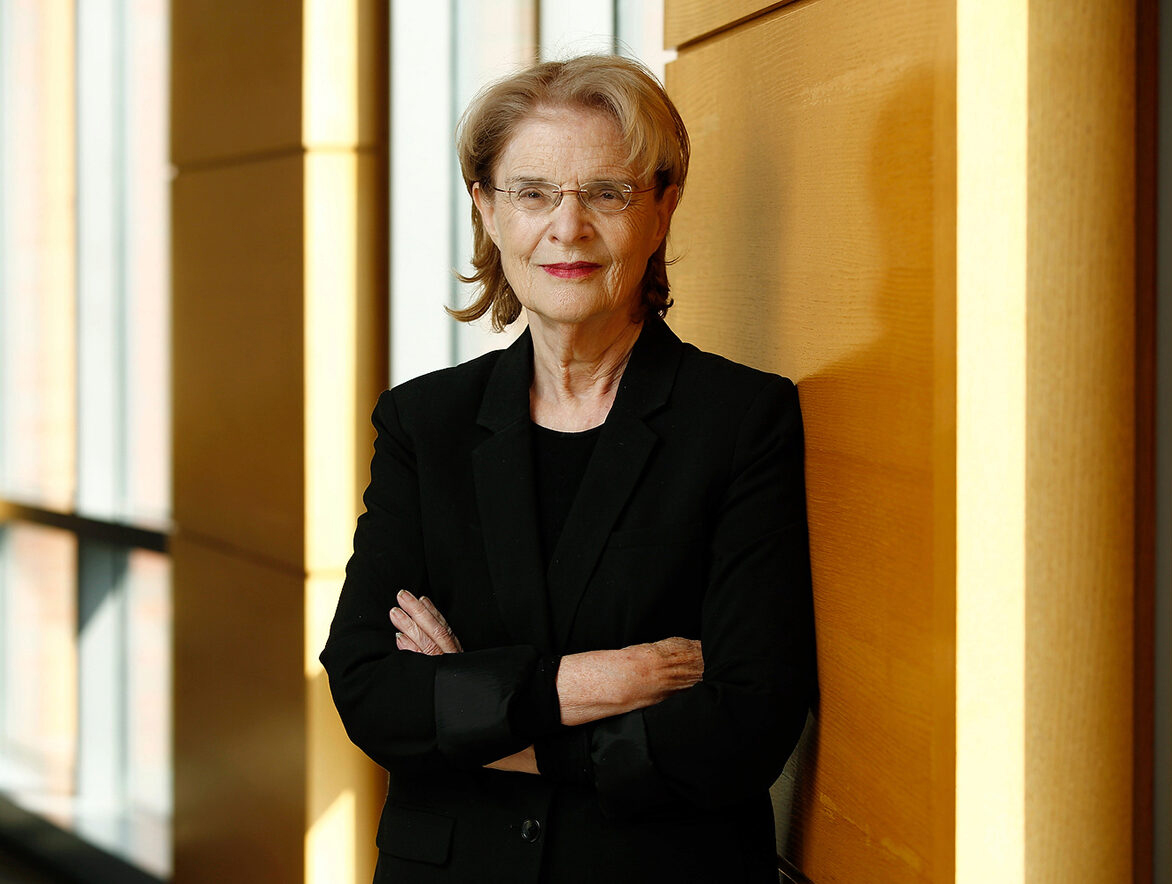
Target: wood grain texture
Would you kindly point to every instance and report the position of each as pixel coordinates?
(685, 21)
(258, 77)
(238, 283)
(240, 736)
(1080, 459)
(236, 79)
(809, 245)
(279, 226)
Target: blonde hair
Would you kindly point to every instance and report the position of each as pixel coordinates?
(651, 127)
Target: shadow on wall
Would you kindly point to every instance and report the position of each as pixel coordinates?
(870, 434)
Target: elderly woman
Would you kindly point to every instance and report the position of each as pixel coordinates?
(591, 546)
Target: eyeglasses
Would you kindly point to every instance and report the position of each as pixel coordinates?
(538, 197)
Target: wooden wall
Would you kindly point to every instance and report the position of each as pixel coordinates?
(278, 137)
(921, 211)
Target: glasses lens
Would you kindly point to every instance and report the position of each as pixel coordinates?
(606, 196)
(534, 196)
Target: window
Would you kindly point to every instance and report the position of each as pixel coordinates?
(85, 420)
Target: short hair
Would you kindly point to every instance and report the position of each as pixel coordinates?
(624, 90)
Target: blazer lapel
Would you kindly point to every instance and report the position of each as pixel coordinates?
(622, 451)
(507, 500)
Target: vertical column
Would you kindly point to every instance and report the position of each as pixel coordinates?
(279, 141)
(38, 179)
(1080, 442)
(102, 765)
(344, 130)
(101, 264)
(421, 228)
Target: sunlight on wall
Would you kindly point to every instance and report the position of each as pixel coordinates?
(991, 441)
(329, 844)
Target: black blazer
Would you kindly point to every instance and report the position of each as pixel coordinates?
(690, 521)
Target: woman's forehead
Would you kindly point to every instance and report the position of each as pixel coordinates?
(559, 142)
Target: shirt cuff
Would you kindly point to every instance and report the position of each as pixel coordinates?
(536, 710)
(475, 697)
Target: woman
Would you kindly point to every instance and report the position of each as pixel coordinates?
(592, 545)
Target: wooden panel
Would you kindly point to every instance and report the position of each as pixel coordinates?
(346, 73)
(240, 735)
(279, 131)
(345, 343)
(228, 98)
(1080, 402)
(688, 20)
(238, 277)
(345, 790)
(810, 244)
(345, 369)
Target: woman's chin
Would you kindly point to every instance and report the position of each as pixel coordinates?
(574, 309)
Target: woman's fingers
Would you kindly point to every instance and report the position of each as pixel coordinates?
(404, 643)
(681, 662)
(435, 612)
(421, 622)
(410, 637)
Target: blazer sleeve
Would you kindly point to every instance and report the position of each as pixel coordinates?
(727, 737)
(462, 709)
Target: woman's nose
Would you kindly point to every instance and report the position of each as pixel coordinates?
(570, 221)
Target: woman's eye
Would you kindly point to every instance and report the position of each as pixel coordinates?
(533, 196)
(606, 197)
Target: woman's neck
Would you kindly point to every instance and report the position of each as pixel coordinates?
(576, 373)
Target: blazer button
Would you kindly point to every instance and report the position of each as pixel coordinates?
(531, 830)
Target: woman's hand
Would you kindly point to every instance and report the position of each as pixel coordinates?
(590, 685)
(422, 629)
(599, 684)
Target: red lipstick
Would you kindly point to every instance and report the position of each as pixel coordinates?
(573, 270)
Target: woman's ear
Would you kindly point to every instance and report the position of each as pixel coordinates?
(664, 209)
(486, 206)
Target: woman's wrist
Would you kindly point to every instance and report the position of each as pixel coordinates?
(598, 684)
(595, 684)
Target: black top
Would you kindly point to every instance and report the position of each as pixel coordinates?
(559, 462)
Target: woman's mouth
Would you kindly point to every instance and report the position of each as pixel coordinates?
(574, 270)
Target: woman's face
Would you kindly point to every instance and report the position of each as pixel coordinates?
(573, 265)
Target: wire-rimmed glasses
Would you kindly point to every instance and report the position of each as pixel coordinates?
(539, 197)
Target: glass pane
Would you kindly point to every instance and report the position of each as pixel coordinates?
(38, 666)
(148, 693)
(37, 364)
(91, 753)
(491, 42)
(147, 295)
(122, 291)
(640, 33)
